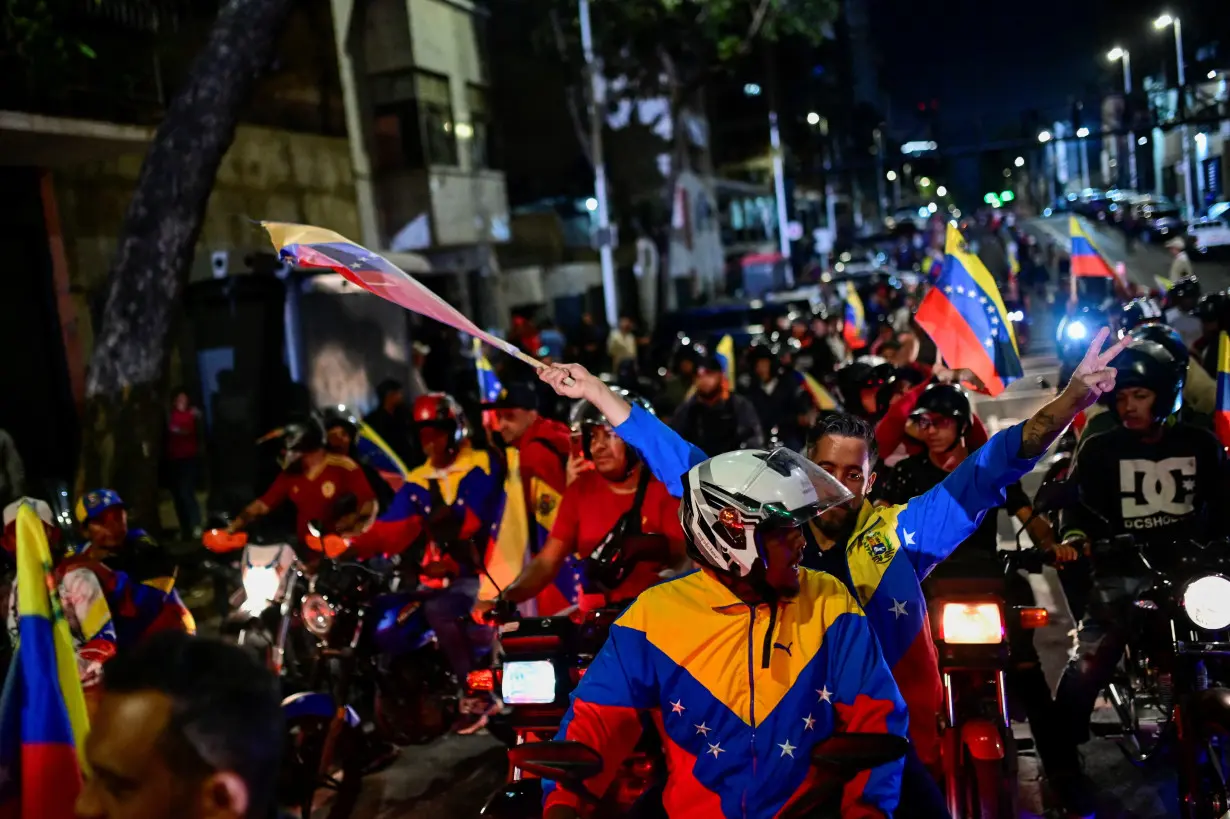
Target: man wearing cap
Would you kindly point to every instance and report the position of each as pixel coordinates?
(714, 418)
(537, 449)
(137, 575)
(81, 596)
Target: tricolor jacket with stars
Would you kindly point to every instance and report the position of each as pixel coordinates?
(739, 694)
(890, 553)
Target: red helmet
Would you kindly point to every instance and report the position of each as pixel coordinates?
(441, 410)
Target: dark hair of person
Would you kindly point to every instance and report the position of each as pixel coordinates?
(226, 712)
(842, 425)
(385, 387)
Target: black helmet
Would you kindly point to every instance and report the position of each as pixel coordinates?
(865, 373)
(759, 351)
(1137, 312)
(585, 416)
(339, 416)
(1214, 308)
(948, 400)
(1169, 338)
(299, 438)
(1187, 287)
(1151, 366)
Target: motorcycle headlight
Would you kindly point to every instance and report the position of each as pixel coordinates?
(317, 613)
(260, 586)
(1016, 315)
(1207, 602)
(1076, 331)
(971, 624)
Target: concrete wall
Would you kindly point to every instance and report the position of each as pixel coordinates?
(267, 174)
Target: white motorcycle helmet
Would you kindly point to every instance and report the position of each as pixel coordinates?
(726, 499)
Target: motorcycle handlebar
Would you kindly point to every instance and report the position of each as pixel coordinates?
(220, 541)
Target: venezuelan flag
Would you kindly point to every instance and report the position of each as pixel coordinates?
(1014, 259)
(967, 320)
(489, 386)
(381, 456)
(1087, 260)
(854, 327)
(933, 267)
(43, 719)
(507, 551)
(819, 395)
(726, 354)
(1221, 416)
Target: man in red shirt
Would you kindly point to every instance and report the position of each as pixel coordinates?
(537, 449)
(612, 504)
(328, 489)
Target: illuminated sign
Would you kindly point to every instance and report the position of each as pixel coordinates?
(917, 147)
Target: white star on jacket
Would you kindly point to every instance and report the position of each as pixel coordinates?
(909, 537)
(898, 608)
(808, 722)
(787, 748)
(677, 707)
(703, 729)
(715, 748)
(825, 694)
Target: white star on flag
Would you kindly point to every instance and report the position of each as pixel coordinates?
(787, 748)
(989, 343)
(982, 299)
(909, 537)
(715, 748)
(948, 289)
(677, 707)
(961, 290)
(898, 607)
(825, 694)
(703, 729)
(808, 722)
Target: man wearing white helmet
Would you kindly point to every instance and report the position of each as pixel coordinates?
(746, 664)
(882, 555)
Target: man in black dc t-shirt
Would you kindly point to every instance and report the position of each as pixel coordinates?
(1152, 477)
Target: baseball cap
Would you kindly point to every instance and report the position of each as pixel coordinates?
(41, 508)
(515, 396)
(95, 502)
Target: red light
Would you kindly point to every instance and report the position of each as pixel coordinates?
(730, 518)
(922, 106)
(483, 680)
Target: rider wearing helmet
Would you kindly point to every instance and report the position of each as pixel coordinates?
(861, 386)
(1137, 312)
(881, 554)
(617, 529)
(448, 509)
(806, 662)
(1213, 310)
(326, 488)
(776, 394)
(1152, 477)
(1181, 301)
(342, 430)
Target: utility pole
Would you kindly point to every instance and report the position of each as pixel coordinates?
(597, 104)
(779, 162)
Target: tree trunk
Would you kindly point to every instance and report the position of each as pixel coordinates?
(125, 396)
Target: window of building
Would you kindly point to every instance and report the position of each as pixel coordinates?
(413, 120)
(481, 147)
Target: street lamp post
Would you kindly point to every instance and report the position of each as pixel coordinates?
(1048, 164)
(1159, 24)
(597, 107)
(1081, 134)
(1126, 57)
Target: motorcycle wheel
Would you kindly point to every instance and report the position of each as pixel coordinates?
(301, 781)
(991, 787)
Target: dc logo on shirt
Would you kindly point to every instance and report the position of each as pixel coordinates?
(1156, 492)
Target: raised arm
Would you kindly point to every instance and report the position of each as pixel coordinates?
(668, 455)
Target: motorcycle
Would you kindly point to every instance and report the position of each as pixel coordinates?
(973, 621)
(836, 761)
(381, 678)
(1171, 688)
(543, 660)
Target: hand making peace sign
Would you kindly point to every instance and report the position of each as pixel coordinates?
(1094, 376)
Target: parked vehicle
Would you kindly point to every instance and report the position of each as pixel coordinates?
(1211, 236)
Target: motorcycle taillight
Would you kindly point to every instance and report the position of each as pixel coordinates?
(482, 680)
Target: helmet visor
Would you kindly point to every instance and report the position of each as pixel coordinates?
(806, 491)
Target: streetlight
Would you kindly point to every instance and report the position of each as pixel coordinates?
(1019, 162)
(1082, 132)
(924, 182)
(1118, 53)
(1044, 136)
(751, 89)
(591, 204)
(941, 191)
(1161, 23)
(891, 176)
(813, 118)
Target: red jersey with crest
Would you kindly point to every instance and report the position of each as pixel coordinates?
(315, 493)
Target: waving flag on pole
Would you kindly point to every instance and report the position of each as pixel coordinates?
(967, 320)
(43, 718)
(1221, 416)
(308, 246)
(854, 326)
(726, 354)
(381, 457)
(1087, 260)
(489, 386)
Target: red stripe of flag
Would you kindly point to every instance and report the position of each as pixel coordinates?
(958, 344)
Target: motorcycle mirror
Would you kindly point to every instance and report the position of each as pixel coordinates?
(859, 752)
(1052, 497)
(313, 528)
(568, 763)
